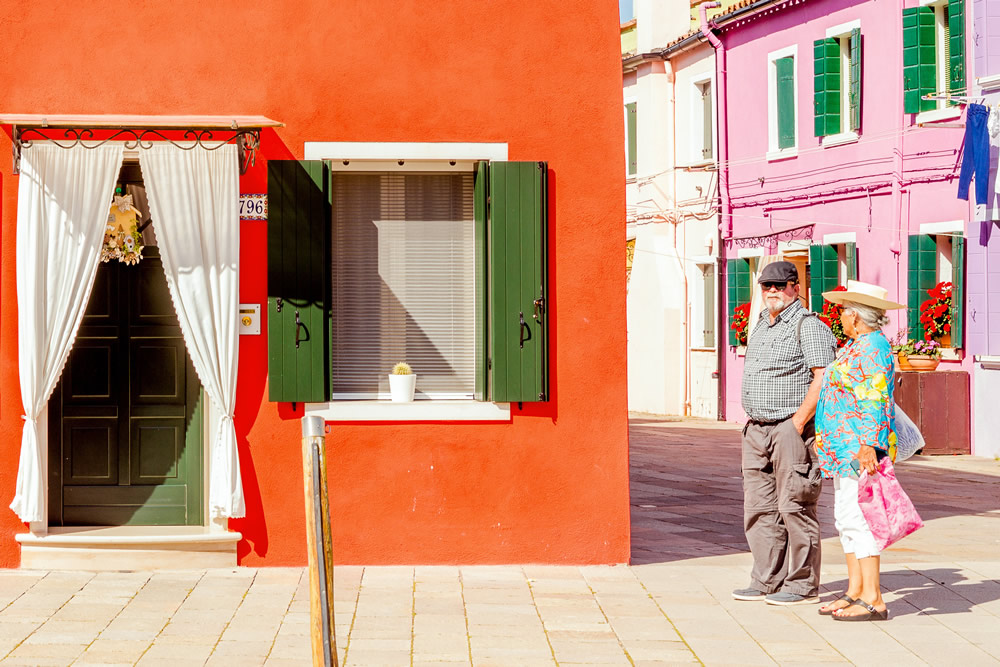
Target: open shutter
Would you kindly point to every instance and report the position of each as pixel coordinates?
(921, 275)
(826, 86)
(957, 291)
(785, 74)
(298, 275)
(919, 58)
(855, 92)
(518, 269)
(956, 47)
(480, 213)
(706, 121)
(630, 127)
(823, 265)
(851, 255)
(738, 288)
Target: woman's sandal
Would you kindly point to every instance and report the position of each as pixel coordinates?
(872, 615)
(845, 598)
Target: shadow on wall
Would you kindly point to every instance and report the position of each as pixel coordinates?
(687, 497)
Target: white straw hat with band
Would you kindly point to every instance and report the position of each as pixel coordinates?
(865, 294)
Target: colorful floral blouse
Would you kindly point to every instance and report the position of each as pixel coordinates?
(856, 405)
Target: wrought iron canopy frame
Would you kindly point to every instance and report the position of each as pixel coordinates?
(246, 139)
(761, 240)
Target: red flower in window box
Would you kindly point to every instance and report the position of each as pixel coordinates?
(831, 317)
(935, 312)
(741, 320)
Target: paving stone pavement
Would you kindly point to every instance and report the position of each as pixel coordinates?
(671, 606)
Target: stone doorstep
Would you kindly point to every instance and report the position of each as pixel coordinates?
(120, 548)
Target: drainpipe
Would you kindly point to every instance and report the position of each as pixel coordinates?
(678, 219)
(726, 220)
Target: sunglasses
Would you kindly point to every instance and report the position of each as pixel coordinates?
(779, 286)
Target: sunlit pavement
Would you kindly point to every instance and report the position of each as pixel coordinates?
(672, 605)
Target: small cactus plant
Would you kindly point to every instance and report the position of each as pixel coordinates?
(402, 368)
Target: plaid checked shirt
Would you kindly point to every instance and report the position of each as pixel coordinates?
(777, 370)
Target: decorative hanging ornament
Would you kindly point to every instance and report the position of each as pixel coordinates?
(122, 238)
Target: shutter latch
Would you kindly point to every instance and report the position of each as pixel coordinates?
(277, 305)
(524, 328)
(539, 307)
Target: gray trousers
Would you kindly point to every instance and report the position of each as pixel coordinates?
(781, 484)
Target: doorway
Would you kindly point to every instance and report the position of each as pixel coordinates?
(126, 420)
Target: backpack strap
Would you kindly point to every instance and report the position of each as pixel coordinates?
(798, 328)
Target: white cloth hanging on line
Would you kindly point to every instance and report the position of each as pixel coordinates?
(194, 199)
(62, 206)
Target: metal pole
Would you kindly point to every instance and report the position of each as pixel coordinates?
(318, 542)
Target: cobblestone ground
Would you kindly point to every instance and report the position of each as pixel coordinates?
(672, 606)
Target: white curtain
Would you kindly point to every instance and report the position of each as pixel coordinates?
(62, 208)
(193, 200)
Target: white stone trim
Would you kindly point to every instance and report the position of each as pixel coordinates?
(389, 150)
(989, 82)
(849, 137)
(840, 237)
(938, 115)
(748, 253)
(843, 28)
(949, 227)
(414, 411)
(783, 154)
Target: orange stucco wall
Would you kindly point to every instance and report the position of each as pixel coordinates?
(552, 485)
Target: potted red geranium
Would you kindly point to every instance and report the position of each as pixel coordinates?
(741, 320)
(935, 314)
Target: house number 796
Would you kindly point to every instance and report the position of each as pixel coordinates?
(253, 207)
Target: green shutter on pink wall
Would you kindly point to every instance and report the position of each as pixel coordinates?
(785, 73)
(919, 58)
(826, 87)
(956, 46)
(855, 92)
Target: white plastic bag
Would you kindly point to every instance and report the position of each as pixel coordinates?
(908, 438)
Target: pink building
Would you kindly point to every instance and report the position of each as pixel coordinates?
(839, 157)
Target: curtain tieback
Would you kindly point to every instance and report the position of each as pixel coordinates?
(28, 419)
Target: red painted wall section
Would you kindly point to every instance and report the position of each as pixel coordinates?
(551, 485)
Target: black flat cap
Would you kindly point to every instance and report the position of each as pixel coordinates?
(779, 272)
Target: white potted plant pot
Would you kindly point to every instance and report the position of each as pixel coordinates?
(402, 387)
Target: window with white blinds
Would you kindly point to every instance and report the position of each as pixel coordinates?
(403, 282)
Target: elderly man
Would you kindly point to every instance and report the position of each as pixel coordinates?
(786, 354)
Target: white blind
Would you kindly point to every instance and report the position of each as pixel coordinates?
(403, 282)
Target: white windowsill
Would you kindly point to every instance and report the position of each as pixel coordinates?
(840, 139)
(989, 82)
(701, 162)
(783, 154)
(415, 411)
(951, 354)
(938, 115)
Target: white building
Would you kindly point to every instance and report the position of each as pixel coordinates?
(672, 190)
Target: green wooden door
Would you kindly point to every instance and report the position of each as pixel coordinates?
(126, 420)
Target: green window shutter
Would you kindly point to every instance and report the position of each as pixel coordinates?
(480, 209)
(518, 269)
(738, 290)
(855, 92)
(957, 291)
(921, 275)
(851, 253)
(826, 86)
(298, 278)
(919, 58)
(708, 304)
(823, 265)
(630, 124)
(706, 121)
(785, 73)
(956, 46)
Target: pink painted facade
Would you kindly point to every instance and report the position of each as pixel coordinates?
(882, 187)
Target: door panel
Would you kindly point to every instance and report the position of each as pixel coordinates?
(127, 414)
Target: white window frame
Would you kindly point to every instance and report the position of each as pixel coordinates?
(773, 152)
(695, 145)
(415, 156)
(699, 316)
(842, 33)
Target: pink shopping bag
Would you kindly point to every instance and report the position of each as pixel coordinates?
(888, 510)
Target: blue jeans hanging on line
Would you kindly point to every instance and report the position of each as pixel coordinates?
(977, 154)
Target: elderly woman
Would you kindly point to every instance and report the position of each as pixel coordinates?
(854, 421)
